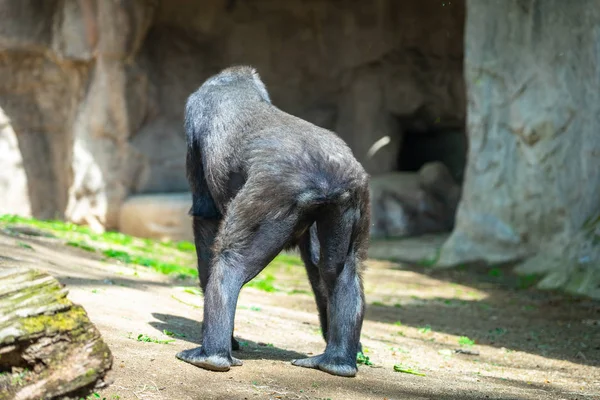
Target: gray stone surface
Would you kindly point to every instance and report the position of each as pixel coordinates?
(532, 184)
(157, 216)
(95, 90)
(413, 203)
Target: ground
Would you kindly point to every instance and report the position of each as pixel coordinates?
(517, 342)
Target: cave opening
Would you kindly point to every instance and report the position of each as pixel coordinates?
(421, 195)
(448, 146)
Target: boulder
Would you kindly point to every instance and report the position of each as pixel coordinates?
(532, 182)
(413, 203)
(158, 216)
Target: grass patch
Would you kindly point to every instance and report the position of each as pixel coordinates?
(172, 258)
(465, 341)
(527, 281)
(361, 358)
(264, 283)
(184, 302)
(192, 290)
(299, 291)
(431, 260)
(288, 259)
(82, 246)
(425, 329)
(398, 350)
(407, 370)
(147, 339)
(67, 230)
(153, 263)
(24, 245)
(96, 396)
(495, 273)
(173, 334)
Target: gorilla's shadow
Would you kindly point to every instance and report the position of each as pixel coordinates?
(191, 331)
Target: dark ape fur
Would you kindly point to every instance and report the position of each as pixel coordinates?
(263, 180)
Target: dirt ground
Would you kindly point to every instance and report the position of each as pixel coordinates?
(528, 344)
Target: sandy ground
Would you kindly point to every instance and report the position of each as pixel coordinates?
(530, 344)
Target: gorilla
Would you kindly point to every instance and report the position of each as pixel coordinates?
(262, 181)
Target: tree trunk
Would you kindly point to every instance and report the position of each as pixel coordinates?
(532, 184)
(49, 349)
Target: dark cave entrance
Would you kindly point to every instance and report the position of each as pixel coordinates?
(420, 147)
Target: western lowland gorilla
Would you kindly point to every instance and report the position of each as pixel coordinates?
(262, 181)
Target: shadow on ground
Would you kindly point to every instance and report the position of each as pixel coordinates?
(188, 330)
(511, 314)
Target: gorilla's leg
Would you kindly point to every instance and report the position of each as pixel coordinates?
(309, 251)
(243, 250)
(205, 232)
(339, 271)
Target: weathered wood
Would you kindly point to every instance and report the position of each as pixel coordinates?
(49, 349)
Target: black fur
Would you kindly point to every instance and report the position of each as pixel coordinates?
(263, 180)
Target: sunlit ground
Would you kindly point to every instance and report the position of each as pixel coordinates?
(477, 330)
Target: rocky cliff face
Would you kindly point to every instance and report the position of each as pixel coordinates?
(532, 187)
(93, 91)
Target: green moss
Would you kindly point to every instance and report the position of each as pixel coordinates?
(59, 322)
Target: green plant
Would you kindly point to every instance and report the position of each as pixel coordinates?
(361, 358)
(81, 245)
(166, 257)
(431, 260)
(495, 272)
(192, 290)
(92, 397)
(264, 283)
(298, 291)
(170, 333)
(18, 379)
(527, 281)
(147, 339)
(406, 370)
(24, 245)
(465, 341)
(425, 329)
(154, 263)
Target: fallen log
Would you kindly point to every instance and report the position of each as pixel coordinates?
(49, 349)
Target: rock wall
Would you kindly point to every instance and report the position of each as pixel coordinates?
(94, 90)
(532, 184)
